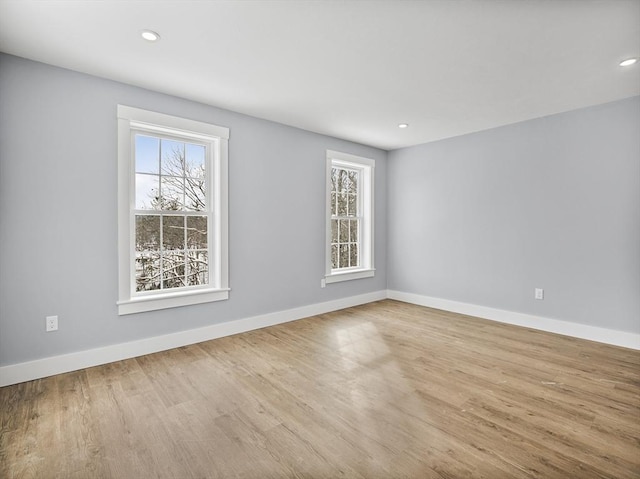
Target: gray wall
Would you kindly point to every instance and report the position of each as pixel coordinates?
(483, 218)
(552, 203)
(58, 198)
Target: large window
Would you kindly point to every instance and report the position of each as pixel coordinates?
(172, 211)
(350, 217)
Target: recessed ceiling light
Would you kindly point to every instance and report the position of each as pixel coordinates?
(150, 36)
(403, 125)
(628, 62)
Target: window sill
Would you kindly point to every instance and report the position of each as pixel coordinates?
(171, 300)
(349, 275)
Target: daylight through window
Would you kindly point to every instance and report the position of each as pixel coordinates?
(171, 220)
(172, 211)
(350, 217)
(345, 218)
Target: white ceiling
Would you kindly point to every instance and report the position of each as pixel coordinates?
(347, 68)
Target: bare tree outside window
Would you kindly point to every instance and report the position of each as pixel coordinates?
(171, 240)
(345, 220)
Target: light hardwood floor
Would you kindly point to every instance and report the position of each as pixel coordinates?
(384, 390)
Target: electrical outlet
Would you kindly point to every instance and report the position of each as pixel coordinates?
(323, 283)
(51, 323)
(539, 293)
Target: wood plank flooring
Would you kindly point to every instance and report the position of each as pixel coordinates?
(383, 390)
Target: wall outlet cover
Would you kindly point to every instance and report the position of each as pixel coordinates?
(51, 323)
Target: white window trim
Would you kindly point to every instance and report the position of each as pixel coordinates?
(130, 119)
(367, 166)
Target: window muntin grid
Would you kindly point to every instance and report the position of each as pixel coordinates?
(346, 217)
(171, 215)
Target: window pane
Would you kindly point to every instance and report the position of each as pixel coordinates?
(342, 204)
(196, 232)
(334, 256)
(173, 269)
(344, 256)
(352, 205)
(172, 193)
(353, 231)
(342, 181)
(147, 154)
(353, 182)
(147, 232)
(344, 231)
(173, 232)
(146, 192)
(350, 234)
(353, 252)
(198, 271)
(194, 192)
(347, 180)
(173, 160)
(147, 271)
(195, 164)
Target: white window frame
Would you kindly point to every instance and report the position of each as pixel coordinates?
(366, 169)
(134, 120)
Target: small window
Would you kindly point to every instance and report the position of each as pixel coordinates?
(349, 217)
(172, 211)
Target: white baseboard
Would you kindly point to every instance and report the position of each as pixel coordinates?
(40, 368)
(567, 328)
